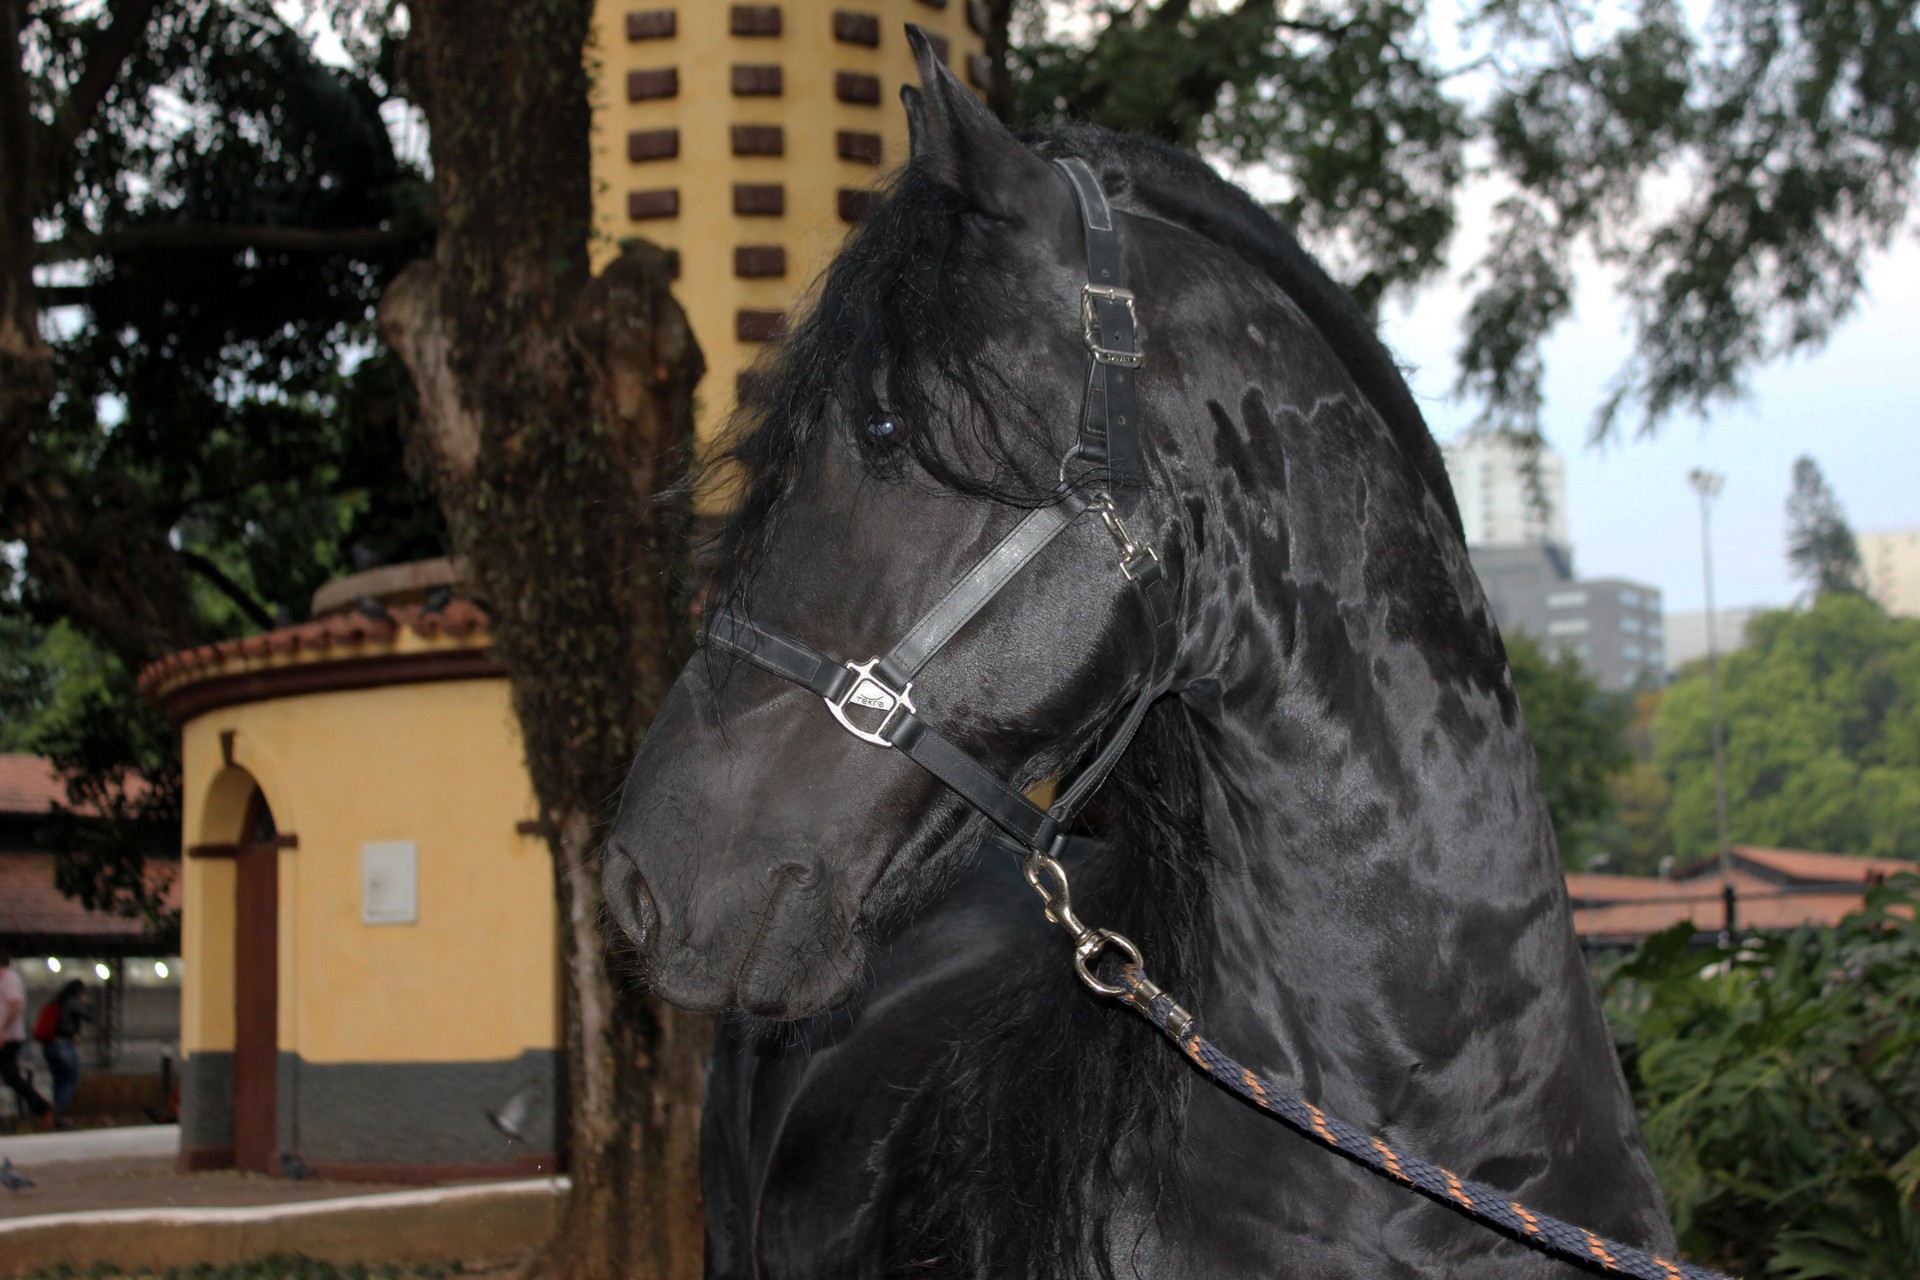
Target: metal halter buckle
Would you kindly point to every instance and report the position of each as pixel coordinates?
(1133, 555)
(871, 692)
(1090, 327)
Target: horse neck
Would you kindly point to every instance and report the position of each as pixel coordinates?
(1386, 896)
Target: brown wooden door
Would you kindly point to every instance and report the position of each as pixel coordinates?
(256, 991)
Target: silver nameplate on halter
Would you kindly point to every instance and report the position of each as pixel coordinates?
(871, 692)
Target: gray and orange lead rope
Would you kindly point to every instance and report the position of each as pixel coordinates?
(1481, 1203)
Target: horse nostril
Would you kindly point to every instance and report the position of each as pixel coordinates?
(629, 899)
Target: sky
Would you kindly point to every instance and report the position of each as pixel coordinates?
(1853, 406)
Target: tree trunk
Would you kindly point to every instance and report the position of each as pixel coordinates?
(26, 363)
(553, 405)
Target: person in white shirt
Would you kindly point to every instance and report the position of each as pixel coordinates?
(13, 1037)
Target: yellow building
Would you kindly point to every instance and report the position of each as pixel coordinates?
(370, 981)
(749, 137)
(367, 935)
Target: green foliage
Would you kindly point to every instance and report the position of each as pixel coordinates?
(1820, 544)
(224, 436)
(1343, 99)
(1822, 712)
(1735, 165)
(1579, 737)
(1779, 1089)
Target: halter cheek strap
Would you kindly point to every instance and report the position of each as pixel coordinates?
(1109, 410)
(873, 700)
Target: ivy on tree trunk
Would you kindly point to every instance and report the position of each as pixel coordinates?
(553, 405)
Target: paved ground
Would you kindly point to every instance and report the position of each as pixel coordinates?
(152, 1182)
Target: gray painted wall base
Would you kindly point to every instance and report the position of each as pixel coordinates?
(387, 1112)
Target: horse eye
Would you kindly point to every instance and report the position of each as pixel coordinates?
(883, 427)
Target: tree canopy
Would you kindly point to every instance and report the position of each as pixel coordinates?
(1820, 543)
(1822, 735)
(1735, 166)
(1579, 738)
(201, 218)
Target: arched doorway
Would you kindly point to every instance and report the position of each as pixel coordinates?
(256, 989)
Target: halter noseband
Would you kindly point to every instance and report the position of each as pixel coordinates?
(1109, 436)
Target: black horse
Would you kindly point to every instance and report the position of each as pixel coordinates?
(1328, 839)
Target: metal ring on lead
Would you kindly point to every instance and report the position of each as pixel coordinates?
(1091, 946)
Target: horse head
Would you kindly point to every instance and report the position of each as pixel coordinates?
(923, 409)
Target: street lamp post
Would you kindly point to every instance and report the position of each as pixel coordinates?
(1707, 484)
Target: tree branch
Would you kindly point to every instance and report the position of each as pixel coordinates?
(220, 235)
(217, 578)
(105, 56)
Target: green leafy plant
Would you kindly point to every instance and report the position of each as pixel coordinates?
(1779, 1088)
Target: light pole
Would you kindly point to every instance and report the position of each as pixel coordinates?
(1707, 484)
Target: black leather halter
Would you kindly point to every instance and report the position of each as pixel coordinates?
(880, 690)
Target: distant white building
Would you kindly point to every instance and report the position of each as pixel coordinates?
(1892, 562)
(1499, 504)
(1687, 633)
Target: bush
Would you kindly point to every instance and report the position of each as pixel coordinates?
(1779, 1088)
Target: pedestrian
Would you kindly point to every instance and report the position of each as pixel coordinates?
(13, 1038)
(69, 1009)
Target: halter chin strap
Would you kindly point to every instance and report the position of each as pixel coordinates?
(873, 700)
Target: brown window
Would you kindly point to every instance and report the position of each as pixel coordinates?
(757, 326)
(979, 71)
(759, 140)
(854, 204)
(850, 86)
(653, 144)
(863, 148)
(650, 24)
(753, 81)
(754, 261)
(759, 199)
(663, 203)
(754, 20)
(856, 28)
(663, 82)
(977, 16)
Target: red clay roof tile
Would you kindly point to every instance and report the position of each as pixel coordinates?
(459, 618)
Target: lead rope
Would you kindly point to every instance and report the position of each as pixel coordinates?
(1481, 1203)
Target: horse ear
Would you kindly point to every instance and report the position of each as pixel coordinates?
(953, 136)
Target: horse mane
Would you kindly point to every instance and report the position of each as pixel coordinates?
(902, 318)
(1084, 1100)
(1081, 1096)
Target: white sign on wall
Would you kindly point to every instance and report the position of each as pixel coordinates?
(389, 882)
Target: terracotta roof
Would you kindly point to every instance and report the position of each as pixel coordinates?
(1631, 921)
(1628, 908)
(28, 784)
(1586, 887)
(31, 786)
(32, 909)
(337, 635)
(1822, 868)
